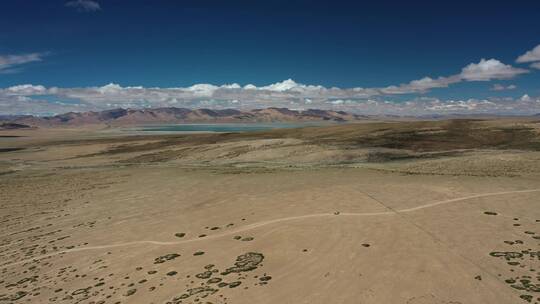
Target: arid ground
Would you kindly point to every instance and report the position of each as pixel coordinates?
(415, 212)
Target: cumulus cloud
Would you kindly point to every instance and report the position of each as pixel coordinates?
(490, 69)
(420, 86)
(485, 70)
(289, 85)
(535, 65)
(427, 106)
(525, 98)
(31, 99)
(530, 56)
(84, 5)
(25, 89)
(500, 87)
(11, 63)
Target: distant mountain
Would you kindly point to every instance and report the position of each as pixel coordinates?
(13, 126)
(125, 117)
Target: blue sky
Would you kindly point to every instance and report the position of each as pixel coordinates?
(345, 44)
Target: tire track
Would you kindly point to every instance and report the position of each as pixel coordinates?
(270, 222)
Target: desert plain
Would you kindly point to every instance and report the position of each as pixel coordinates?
(414, 212)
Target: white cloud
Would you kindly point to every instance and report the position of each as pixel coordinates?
(8, 63)
(109, 88)
(288, 85)
(26, 89)
(489, 69)
(27, 99)
(84, 5)
(420, 86)
(231, 86)
(500, 87)
(525, 98)
(535, 65)
(484, 70)
(202, 90)
(281, 86)
(530, 56)
(250, 87)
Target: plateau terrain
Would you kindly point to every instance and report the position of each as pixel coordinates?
(410, 212)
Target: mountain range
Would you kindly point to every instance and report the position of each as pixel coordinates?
(126, 117)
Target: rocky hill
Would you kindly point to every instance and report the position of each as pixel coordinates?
(124, 117)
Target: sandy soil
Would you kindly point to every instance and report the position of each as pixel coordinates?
(263, 220)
